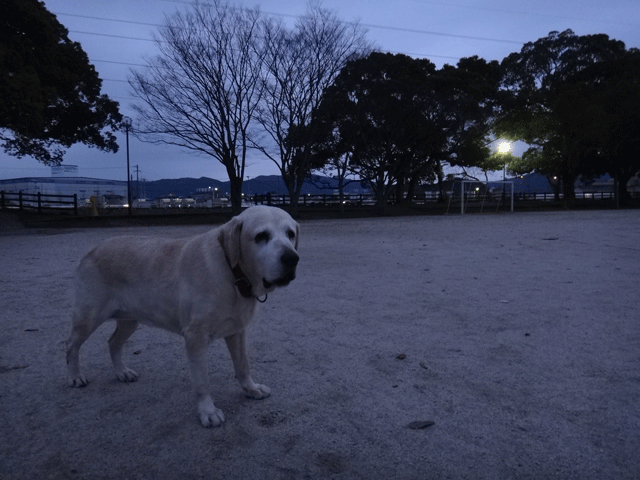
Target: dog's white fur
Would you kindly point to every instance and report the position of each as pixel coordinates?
(185, 286)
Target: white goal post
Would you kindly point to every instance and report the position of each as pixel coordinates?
(464, 194)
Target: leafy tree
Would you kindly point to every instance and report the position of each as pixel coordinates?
(377, 108)
(467, 95)
(617, 133)
(549, 102)
(401, 120)
(331, 155)
(202, 91)
(49, 92)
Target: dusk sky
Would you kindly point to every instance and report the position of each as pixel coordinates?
(116, 35)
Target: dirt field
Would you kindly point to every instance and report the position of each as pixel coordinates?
(518, 335)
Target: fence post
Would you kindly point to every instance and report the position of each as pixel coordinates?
(2, 200)
(39, 202)
(20, 200)
(512, 197)
(75, 204)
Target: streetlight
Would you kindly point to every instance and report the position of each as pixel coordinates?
(503, 148)
(126, 121)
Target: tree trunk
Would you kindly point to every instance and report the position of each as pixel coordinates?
(235, 192)
(381, 204)
(382, 193)
(443, 193)
(411, 190)
(400, 190)
(568, 190)
(294, 187)
(622, 193)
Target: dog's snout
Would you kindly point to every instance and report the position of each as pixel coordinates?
(289, 259)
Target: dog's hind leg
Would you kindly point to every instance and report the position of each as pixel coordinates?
(81, 329)
(124, 329)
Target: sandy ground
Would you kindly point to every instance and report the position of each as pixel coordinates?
(518, 335)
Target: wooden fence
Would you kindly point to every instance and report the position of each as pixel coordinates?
(420, 199)
(41, 202)
(38, 201)
(327, 200)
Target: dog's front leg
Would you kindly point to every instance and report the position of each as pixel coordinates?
(210, 415)
(237, 346)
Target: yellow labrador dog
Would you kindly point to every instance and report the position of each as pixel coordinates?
(203, 288)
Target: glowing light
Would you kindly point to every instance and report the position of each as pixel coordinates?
(504, 147)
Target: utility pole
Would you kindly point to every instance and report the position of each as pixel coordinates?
(126, 121)
(137, 182)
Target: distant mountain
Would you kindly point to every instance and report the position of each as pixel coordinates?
(182, 187)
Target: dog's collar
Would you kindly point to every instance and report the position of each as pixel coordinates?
(242, 282)
(244, 285)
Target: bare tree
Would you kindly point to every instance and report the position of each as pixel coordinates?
(202, 90)
(298, 67)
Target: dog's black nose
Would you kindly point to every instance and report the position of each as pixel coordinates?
(289, 259)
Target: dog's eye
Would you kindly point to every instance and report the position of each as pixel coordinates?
(291, 234)
(262, 237)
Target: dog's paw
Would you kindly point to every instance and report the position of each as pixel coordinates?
(212, 419)
(78, 381)
(210, 415)
(127, 375)
(257, 391)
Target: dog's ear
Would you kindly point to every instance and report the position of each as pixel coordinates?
(229, 238)
(297, 236)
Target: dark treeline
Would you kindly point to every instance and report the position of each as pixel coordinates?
(575, 100)
(317, 97)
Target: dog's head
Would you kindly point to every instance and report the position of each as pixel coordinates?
(262, 241)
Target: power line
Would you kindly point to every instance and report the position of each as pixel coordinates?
(374, 26)
(112, 36)
(441, 34)
(271, 13)
(91, 17)
(121, 63)
(150, 40)
(367, 25)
